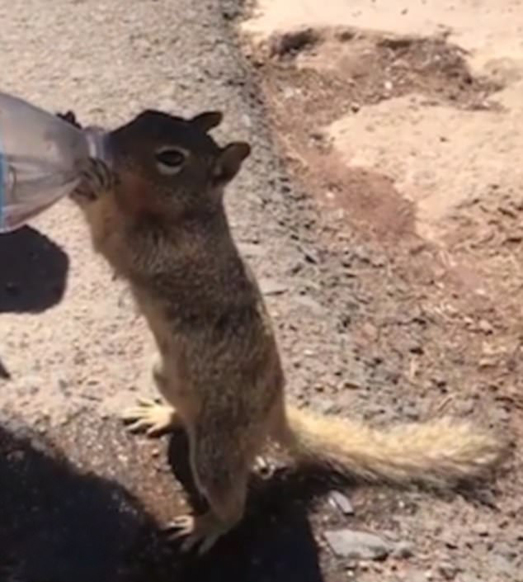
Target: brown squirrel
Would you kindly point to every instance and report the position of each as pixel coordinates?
(158, 218)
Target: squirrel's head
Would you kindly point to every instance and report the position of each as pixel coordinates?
(172, 165)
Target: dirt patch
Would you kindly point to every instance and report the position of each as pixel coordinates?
(490, 31)
(321, 75)
(339, 70)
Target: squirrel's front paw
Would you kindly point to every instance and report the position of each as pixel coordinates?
(96, 179)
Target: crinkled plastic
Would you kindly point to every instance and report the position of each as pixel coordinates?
(41, 160)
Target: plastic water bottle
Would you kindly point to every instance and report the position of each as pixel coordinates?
(41, 159)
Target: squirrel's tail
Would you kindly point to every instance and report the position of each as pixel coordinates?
(440, 453)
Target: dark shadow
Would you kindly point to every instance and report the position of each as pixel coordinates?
(58, 524)
(274, 542)
(33, 272)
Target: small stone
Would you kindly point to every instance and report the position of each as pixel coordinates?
(272, 287)
(346, 35)
(342, 502)
(403, 550)
(415, 576)
(251, 249)
(450, 541)
(247, 121)
(485, 326)
(514, 237)
(487, 362)
(439, 380)
(482, 529)
(310, 304)
(328, 406)
(502, 565)
(292, 42)
(310, 256)
(448, 570)
(358, 545)
(416, 348)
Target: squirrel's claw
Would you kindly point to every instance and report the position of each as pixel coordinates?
(203, 529)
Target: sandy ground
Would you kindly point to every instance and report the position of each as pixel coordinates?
(392, 300)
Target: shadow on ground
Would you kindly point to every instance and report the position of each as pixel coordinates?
(59, 524)
(33, 272)
(274, 543)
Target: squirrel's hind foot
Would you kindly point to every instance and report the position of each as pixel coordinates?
(204, 530)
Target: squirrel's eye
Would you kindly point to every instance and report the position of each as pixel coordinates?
(170, 160)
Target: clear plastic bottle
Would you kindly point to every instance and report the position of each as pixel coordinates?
(41, 159)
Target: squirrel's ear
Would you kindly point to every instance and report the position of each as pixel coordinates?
(230, 160)
(207, 120)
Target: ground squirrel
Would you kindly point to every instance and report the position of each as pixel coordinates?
(158, 218)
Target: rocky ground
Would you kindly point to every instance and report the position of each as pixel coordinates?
(380, 210)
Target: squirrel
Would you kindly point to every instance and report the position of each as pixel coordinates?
(157, 216)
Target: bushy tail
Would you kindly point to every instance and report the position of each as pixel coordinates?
(440, 453)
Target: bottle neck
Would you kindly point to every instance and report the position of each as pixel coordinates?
(98, 143)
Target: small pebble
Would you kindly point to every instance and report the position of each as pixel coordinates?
(482, 529)
(251, 250)
(342, 502)
(415, 576)
(448, 570)
(272, 287)
(358, 545)
(403, 550)
(503, 566)
(485, 326)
